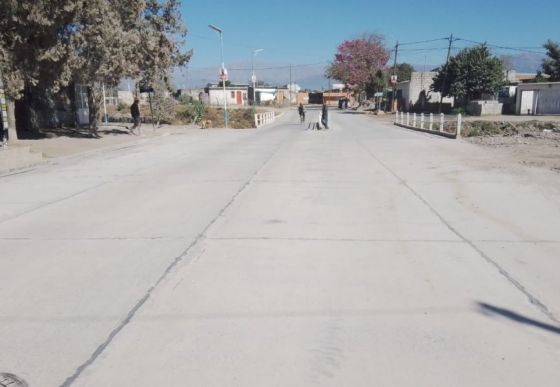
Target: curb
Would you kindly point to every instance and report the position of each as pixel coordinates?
(435, 132)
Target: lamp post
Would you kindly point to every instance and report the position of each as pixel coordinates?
(223, 70)
(253, 77)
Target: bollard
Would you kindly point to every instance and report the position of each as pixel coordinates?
(422, 121)
(402, 118)
(431, 121)
(397, 117)
(459, 124)
(441, 122)
(407, 119)
(414, 120)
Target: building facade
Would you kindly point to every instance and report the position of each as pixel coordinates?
(415, 95)
(538, 99)
(235, 95)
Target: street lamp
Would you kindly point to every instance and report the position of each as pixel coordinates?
(253, 77)
(223, 70)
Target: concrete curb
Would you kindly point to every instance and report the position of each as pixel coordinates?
(436, 132)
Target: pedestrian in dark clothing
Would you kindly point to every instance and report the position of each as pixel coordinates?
(135, 113)
(325, 116)
(301, 112)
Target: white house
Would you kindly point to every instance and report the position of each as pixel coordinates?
(538, 98)
(235, 95)
(265, 94)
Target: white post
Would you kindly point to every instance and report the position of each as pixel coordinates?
(397, 118)
(414, 120)
(441, 121)
(459, 124)
(431, 121)
(407, 119)
(422, 121)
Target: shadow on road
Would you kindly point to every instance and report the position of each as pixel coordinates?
(491, 310)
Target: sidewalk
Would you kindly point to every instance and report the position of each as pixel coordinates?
(28, 153)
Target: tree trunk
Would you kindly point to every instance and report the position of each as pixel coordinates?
(12, 132)
(94, 101)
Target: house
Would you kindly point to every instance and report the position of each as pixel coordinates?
(514, 77)
(538, 98)
(195, 94)
(331, 98)
(265, 94)
(235, 95)
(302, 97)
(416, 94)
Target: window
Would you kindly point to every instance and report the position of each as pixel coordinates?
(233, 94)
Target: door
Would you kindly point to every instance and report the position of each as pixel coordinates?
(527, 102)
(239, 98)
(548, 101)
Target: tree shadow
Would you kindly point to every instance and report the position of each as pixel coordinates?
(491, 310)
(70, 132)
(114, 131)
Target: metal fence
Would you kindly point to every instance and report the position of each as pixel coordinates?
(447, 125)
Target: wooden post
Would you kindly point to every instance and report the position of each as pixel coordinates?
(441, 122)
(459, 124)
(431, 121)
(407, 119)
(414, 120)
(422, 121)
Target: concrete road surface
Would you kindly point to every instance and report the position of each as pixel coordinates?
(365, 255)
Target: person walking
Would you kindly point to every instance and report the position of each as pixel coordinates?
(301, 112)
(135, 113)
(325, 116)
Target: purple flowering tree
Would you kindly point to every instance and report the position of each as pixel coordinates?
(360, 63)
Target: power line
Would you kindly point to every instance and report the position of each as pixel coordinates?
(281, 67)
(422, 41)
(520, 49)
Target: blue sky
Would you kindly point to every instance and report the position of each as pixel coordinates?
(305, 33)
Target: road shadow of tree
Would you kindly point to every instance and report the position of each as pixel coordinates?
(491, 310)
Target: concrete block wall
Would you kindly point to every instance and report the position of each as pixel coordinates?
(412, 90)
(485, 108)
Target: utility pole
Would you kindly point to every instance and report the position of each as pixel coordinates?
(394, 79)
(290, 86)
(223, 72)
(446, 71)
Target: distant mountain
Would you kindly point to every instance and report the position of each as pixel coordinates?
(527, 62)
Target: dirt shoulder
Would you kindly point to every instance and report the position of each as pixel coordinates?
(533, 143)
(109, 136)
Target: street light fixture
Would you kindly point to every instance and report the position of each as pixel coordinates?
(253, 77)
(223, 70)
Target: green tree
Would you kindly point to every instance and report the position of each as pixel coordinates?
(470, 74)
(404, 72)
(163, 104)
(48, 45)
(551, 65)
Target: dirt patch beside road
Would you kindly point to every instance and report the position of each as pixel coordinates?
(533, 143)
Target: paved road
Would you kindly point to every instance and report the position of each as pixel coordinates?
(365, 255)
